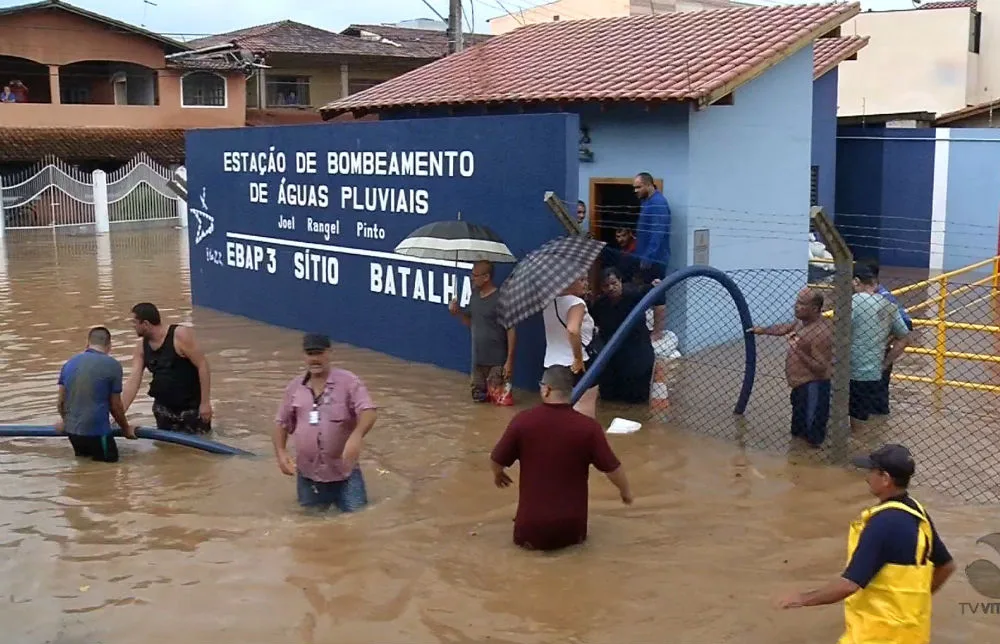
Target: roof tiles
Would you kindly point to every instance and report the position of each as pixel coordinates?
(830, 52)
(289, 37)
(27, 145)
(687, 56)
(949, 4)
(420, 43)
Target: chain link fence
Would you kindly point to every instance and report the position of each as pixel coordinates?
(941, 401)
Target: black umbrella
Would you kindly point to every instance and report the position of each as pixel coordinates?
(456, 241)
(543, 274)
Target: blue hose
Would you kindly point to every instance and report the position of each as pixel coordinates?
(177, 438)
(639, 313)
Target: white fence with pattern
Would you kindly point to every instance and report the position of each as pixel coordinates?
(54, 194)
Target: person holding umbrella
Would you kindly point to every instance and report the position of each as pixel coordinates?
(552, 280)
(492, 344)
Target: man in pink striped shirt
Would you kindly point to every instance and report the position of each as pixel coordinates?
(328, 412)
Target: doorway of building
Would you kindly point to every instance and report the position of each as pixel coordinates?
(613, 205)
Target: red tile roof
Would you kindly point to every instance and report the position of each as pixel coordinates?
(949, 4)
(27, 145)
(290, 37)
(830, 52)
(689, 56)
(422, 43)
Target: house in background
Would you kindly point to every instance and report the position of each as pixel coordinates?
(726, 125)
(302, 67)
(940, 57)
(96, 90)
(582, 9)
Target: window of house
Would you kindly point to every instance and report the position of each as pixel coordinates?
(355, 85)
(975, 31)
(814, 186)
(75, 95)
(288, 90)
(203, 89)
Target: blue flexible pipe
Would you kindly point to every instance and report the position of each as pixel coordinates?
(639, 314)
(177, 438)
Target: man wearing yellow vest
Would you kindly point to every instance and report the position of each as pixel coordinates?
(896, 561)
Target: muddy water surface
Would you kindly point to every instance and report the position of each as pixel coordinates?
(173, 545)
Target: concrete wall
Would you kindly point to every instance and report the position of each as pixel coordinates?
(917, 60)
(824, 138)
(582, 9)
(54, 38)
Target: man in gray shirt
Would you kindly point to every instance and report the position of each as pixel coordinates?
(492, 344)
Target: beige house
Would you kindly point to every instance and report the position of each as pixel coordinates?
(581, 9)
(301, 67)
(940, 57)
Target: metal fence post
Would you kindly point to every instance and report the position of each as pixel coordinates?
(843, 290)
(102, 222)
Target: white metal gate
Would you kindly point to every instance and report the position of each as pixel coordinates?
(138, 191)
(48, 195)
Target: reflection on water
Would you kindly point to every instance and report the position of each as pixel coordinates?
(714, 535)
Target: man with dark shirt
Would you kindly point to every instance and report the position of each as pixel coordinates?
(896, 560)
(492, 344)
(556, 446)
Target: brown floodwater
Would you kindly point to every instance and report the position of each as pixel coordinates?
(175, 545)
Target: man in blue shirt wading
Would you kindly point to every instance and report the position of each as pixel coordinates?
(882, 404)
(652, 238)
(90, 387)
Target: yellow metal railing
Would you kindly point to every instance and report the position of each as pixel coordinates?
(941, 324)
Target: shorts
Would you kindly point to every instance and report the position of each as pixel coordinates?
(550, 535)
(100, 448)
(186, 422)
(864, 398)
(811, 411)
(484, 377)
(349, 495)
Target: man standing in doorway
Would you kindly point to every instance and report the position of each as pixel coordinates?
(652, 239)
(897, 560)
(878, 337)
(328, 412)
(492, 345)
(90, 387)
(181, 386)
(556, 446)
(808, 365)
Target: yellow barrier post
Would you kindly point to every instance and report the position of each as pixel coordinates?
(996, 273)
(942, 334)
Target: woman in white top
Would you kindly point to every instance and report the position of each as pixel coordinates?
(568, 330)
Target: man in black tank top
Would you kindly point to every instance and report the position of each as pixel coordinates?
(181, 387)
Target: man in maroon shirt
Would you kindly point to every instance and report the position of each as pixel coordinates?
(556, 446)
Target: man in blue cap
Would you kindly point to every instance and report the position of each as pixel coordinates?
(896, 560)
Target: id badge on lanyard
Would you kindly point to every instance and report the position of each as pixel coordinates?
(314, 416)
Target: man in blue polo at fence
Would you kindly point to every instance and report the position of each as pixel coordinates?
(896, 561)
(328, 412)
(878, 338)
(652, 239)
(90, 388)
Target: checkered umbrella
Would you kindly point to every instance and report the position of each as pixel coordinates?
(543, 274)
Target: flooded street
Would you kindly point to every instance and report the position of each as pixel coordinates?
(175, 545)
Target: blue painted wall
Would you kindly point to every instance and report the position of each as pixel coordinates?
(410, 320)
(824, 138)
(973, 199)
(750, 188)
(884, 184)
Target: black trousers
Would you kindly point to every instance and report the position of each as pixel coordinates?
(99, 448)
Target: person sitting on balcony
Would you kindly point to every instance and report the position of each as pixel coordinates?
(7, 96)
(19, 91)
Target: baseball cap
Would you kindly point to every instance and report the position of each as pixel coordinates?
(894, 460)
(315, 342)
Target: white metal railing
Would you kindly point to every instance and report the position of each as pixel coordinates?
(54, 194)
